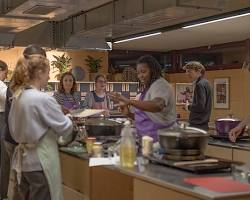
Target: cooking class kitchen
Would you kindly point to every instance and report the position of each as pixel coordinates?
(125, 99)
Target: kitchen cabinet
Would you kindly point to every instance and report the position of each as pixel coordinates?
(242, 156)
(147, 191)
(219, 152)
(75, 174)
(109, 184)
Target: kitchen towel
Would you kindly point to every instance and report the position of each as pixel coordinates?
(219, 184)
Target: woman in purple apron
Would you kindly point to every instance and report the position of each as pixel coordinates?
(66, 95)
(98, 99)
(155, 108)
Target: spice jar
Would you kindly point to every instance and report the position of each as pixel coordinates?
(89, 144)
(97, 149)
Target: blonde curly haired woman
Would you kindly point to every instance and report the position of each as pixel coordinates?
(35, 119)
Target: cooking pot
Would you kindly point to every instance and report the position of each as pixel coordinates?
(102, 127)
(183, 139)
(224, 125)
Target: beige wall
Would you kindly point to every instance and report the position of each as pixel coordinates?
(11, 56)
(239, 92)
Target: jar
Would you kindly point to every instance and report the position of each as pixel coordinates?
(89, 144)
(147, 145)
(97, 149)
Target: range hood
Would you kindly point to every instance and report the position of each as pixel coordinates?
(90, 23)
(7, 39)
(79, 42)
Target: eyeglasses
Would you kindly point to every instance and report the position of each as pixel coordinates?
(101, 81)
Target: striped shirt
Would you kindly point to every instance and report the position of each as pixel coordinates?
(68, 99)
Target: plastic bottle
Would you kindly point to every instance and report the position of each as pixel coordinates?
(127, 146)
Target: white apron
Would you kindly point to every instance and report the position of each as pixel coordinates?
(48, 155)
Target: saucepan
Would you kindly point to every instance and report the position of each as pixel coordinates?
(102, 127)
(224, 125)
(183, 139)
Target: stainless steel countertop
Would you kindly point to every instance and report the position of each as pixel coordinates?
(243, 144)
(170, 178)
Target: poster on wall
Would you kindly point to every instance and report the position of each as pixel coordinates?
(221, 93)
(184, 93)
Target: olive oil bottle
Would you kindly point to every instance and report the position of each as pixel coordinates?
(127, 146)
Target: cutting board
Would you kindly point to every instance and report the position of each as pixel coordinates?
(219, 184)
(86, 112)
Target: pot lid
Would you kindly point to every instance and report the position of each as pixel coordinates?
(228, 119)
(183, 132)
(101, 122)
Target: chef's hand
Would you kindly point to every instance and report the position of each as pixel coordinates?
(186, 106)
(118, 97)
(106, 113)
(65, 110)
(235, 132)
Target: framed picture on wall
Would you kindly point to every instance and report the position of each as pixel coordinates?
(221, 93)
(183, 93)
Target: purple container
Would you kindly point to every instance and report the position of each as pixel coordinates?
(223, 126)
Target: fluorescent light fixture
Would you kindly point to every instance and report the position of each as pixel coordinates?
(216, 20)
(138, 37)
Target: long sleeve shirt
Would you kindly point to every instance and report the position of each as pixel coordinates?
(30, 117)
(3, 89)
(200, 109)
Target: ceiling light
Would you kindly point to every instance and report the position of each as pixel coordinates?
(137, 37)
(216, 20)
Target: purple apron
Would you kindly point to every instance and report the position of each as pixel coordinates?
(145, 126)
(69, 104)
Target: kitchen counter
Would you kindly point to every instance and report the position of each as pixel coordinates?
(243, 144)
(154, 176)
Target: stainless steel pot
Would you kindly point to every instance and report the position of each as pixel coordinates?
(102, 127)
(183, 139)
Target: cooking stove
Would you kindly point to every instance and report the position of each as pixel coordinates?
(199, 165)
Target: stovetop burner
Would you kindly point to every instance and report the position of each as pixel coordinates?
(182, 157)
(202, 165)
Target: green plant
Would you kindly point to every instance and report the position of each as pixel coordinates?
(93, 63)
(49, 88)
(62, 63)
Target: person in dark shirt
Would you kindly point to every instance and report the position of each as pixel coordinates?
(200, 109)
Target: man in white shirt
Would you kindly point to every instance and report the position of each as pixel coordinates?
(3, 89)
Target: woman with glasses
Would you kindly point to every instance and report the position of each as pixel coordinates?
(98, 98)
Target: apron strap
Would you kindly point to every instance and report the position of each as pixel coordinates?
(19, 153)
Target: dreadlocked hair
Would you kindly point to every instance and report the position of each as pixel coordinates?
(153, 65)
(26, 70)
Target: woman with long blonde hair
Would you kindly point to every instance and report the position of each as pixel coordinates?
(35, 119)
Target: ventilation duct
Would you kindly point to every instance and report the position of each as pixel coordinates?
(78, 42)
(41, 10)
(7, 39)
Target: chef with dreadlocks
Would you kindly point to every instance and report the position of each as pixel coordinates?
(155, 108)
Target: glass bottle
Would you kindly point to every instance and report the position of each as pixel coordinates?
(127, 146)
